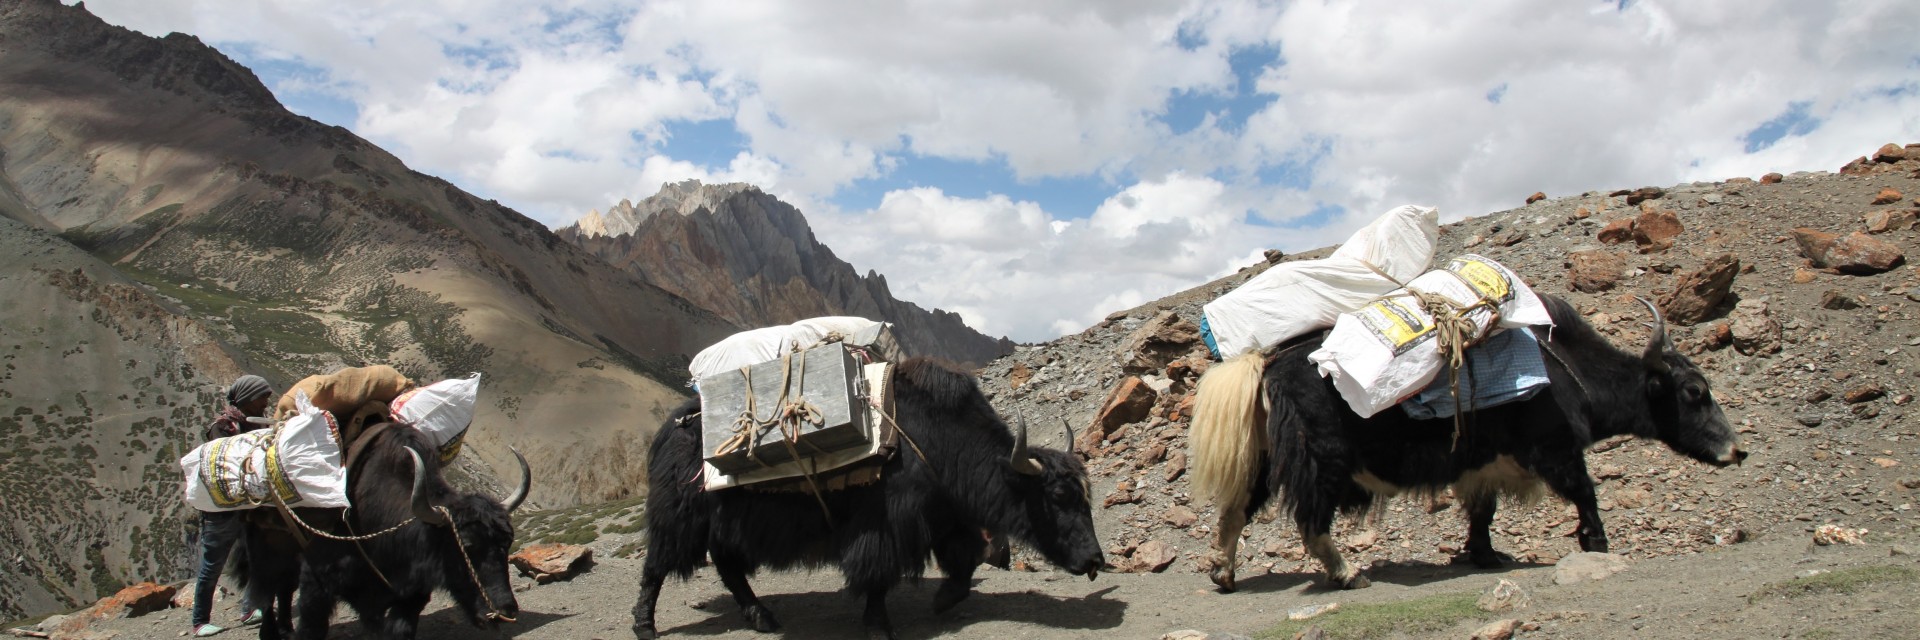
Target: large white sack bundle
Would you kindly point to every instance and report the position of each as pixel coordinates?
(749, 348)
(1294, 298)
(1386, 351)
(442, 410)
(300, 460)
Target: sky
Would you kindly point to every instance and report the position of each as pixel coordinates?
(1035, 165)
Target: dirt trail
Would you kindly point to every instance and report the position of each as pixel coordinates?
(1696, 596)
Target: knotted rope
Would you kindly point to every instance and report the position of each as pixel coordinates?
(788, 416)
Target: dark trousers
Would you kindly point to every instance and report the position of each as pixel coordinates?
(218, 533)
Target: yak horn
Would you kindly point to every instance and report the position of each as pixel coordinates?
(1069, 428)
(423, 510)
(1022, 462)
(1657, 343)
(526, 483)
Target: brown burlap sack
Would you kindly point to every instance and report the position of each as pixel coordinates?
(344, 392)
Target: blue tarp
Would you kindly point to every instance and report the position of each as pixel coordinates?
(1507, 367)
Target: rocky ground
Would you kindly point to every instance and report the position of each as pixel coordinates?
(1785, 289)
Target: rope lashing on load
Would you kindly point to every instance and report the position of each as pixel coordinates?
(1453, 331)
(788, 416)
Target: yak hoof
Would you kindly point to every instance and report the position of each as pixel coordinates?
(1223, 577)
(879, 633)
(761, 618)
(1490, 559)
(950, 594)
(1356, 582)
(645, 632)
(1594, 545)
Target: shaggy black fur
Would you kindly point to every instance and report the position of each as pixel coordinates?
(880, 532)
(1320, 445)
(419, 558)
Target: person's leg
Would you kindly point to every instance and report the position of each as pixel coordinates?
(217, 534)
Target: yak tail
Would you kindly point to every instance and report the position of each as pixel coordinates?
(1227, 445)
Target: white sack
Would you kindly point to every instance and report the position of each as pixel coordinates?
(442, 410)
(1293, 298)
(1386, 352)
(300, 459)
(749, 348)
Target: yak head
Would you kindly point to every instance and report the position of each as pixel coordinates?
(1685, 415)
(475, 570)
(1052, 491)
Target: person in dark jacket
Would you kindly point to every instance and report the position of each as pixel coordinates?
(249, 397)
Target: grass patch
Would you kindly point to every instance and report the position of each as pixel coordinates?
(204, 298)
(289, 331)
(579, 524)
(1836, 581)
(1431, 613)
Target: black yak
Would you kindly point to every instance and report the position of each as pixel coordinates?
(457, 542)
(976, 476)
(1320, 458)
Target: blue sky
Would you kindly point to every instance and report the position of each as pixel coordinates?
(1036, 165)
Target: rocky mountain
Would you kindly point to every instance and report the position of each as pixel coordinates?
(234, 236)
(753, 260)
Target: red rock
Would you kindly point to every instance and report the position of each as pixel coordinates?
(1180, 517)
(1175, 466)
(1019, 375)
(1152, 556)
(1772, 178)
(1802, 275)
(1737, 180)
(1536, 197)
(1890, 153)
(1497, 630)
(1813, 244)
(1861, 254)
(1754, 329)
(1617, 231)
(1644, 194)
(1697, 294)
(1158, 342)
(133, 601)
(1594, 270)
(1864, 393)
(1888, 195)
(1655, 230)
(1582, 214)
(1859, 166)
(1130, 401)
(549, 562)
(1886, 220)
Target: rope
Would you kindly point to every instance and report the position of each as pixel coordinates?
(344, 520)
(493, 612)
(749, 429)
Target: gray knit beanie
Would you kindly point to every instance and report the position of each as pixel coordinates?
(247, 388)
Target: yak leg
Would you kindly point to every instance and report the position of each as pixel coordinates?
(1226, 543)
(1316, 530)
(733, 574)
(403, 619)
(1571, 482)
(879, 626)
(650, 581)
(957, 554)
(315, 608)
(1480, 508)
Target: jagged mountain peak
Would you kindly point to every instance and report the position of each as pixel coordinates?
(684, 198)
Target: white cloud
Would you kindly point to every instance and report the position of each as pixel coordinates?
(558, 106)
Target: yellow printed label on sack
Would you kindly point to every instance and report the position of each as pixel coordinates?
(222, 488)
(277, 477)
(1486, 278)
(452, 448)
(1397, 321)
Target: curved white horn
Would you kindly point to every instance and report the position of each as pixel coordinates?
(422, 510)
(1022, 462)
(526, 483)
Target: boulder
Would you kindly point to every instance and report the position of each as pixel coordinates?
(1152, 556)
(1857, 167)
(1698, 293)
(1655, 230)
(1129, 402)
(1855, 253)
(1755, 332)
(1587, 566)
(1180, 517)
(1890, 153)
(1644, 194)
(1617, 231)
(550, 562)
(1864, 393)
(1165, 338)
(1536, 197)
(1888, 195)
(1018, 375)
(1833, 534)
(1772, 178)
(1886, 220)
